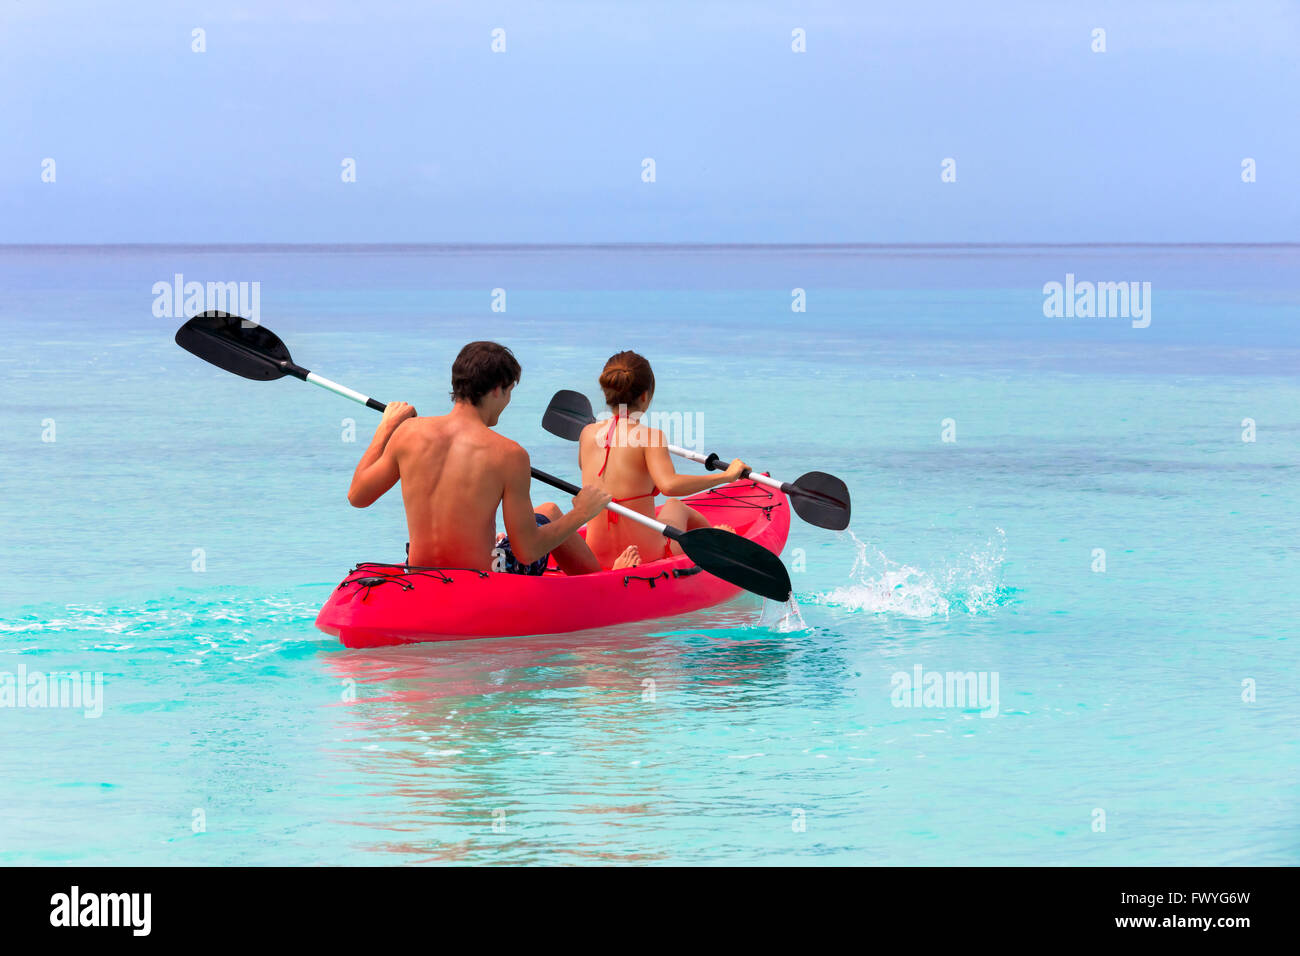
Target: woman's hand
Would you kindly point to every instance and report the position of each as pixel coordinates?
(735, 471)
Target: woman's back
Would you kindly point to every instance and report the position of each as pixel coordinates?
(612, 455)
(631, 462)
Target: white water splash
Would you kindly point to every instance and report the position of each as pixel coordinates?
(782, 617)
(881, 586)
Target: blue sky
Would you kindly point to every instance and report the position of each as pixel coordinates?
(753, 143)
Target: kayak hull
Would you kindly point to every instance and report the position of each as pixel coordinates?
(379, 605)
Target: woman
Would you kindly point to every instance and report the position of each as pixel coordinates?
(631, 462)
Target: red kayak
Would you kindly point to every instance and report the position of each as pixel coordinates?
(382, 604)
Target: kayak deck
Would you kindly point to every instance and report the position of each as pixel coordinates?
(383, 604)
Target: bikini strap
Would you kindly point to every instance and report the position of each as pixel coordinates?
(610, 516)
(609, 442)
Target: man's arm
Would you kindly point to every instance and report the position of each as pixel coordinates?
(377, 471)
(527, 540)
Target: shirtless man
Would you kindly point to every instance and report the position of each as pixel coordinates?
(455, 471)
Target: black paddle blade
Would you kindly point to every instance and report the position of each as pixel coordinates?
(236, 345)
(738, 561)
(821, 500)
(568, 414)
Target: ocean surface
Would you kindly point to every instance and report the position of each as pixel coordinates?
(1099, 522)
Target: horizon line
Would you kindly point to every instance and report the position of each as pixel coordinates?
(738, 246)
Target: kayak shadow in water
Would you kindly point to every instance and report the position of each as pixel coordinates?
(612, 658)
(590, 726)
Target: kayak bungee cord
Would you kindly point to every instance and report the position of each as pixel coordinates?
(377, 574)
(362, 612)
(742, 501)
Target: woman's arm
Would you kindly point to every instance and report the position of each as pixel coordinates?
(660, 465)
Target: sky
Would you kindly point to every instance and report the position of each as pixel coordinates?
(751, 141)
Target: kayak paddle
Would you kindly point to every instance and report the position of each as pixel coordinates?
(818, 498)
(253, 351)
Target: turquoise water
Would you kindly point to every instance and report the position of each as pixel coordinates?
(724, 736)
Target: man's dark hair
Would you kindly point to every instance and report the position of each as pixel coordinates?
(481, 367)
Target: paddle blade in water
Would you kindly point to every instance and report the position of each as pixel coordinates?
(821, 500)
(568, 414)
(236, 345)
(737, 560)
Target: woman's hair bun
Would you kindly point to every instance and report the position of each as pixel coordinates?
(626, 377)
(617, 377)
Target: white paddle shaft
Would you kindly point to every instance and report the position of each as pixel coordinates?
(703, 460)
(336, 388)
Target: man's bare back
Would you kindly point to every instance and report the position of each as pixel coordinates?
(455, 471)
